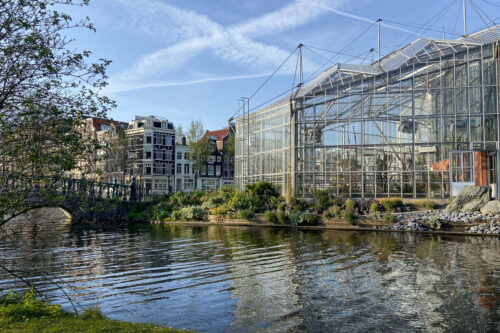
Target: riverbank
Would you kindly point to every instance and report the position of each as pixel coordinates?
(415, 222)
(28, 314)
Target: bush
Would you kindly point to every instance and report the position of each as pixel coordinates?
(435, 223)
(350, 205)
(376, 216)
(271, 217)
(426, 203)
(388, 218)
(27, 306)
(348, 216)
(192, 213)
(283, 217)
(176, 215)
(221, 210)
(246, 214)
(159, 212)
(323, 201)
(309, 219)
(374, 207)
(391, 203)
(295, 218)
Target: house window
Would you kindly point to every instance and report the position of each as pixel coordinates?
(179, 155)
(188, 184)
(148, 170)
(186, 169)
(157, 124)
(148, 139)
(219, 158)
(179, 168)
(148, 155)
(186, 156)
(217, 170)
(210, 170)
(204, 170)
(211, 159)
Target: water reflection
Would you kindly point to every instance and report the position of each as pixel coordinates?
(250, 279)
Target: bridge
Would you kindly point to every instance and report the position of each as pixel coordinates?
(85, 200)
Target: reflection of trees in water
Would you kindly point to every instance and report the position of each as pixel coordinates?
(284, 279)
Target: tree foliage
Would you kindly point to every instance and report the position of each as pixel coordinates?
(199, 145)
(46, 89)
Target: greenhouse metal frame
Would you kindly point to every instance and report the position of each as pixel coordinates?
(421, 122)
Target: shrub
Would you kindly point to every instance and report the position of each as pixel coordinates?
(192, 213)
(334, 211)
(348, 216)
(322, 200)
(388, 218)
(435, 223)
(263, 189)
(350, 205)
(176, 215)
(159, 212)
(391, 203)
(221, 210)
(374, 207)
(426, 203)
(283, 217)
(309, 219)
(295, 218)
(21, 307)
(376, 216)
(271, 217)
(246, 214)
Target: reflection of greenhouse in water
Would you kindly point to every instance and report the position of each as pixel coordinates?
(422, 122)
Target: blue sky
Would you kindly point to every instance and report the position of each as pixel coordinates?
(185, 59)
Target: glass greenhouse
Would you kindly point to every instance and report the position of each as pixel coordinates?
(421, 122)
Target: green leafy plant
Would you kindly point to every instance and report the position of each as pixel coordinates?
(391, 203)
(435, 222)
(322, 200)
(350, 205)
(271, 217)
(295, 218)
(246, 214)
(426, 203)
(388, 218)
(348, 216)
(283, 217)
(309, 219)
(374, 207)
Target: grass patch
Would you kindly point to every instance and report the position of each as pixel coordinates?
(28, 314)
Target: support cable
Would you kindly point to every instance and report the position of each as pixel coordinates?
(342, 50)
(428, 29)
(484, 21)
(491, 3)
(267, 80)
(275, 71)
(434, 18)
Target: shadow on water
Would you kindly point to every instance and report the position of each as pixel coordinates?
(215, 278)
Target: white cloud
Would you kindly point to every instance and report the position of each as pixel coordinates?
(199, 34)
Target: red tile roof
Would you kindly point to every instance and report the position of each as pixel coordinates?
(219, 134)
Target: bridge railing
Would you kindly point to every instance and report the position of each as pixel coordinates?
(75, 186)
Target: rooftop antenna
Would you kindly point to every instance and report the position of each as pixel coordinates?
(378, 21)
(443, 35)
(465, 19)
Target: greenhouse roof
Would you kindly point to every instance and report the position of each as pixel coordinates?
(422, 50)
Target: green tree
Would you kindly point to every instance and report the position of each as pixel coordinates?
(46, 89)
(199, 146)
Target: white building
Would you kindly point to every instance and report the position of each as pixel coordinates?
(184, 170)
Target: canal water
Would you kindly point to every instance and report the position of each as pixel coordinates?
(243, 279)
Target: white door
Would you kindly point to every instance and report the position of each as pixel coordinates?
(461, 170)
